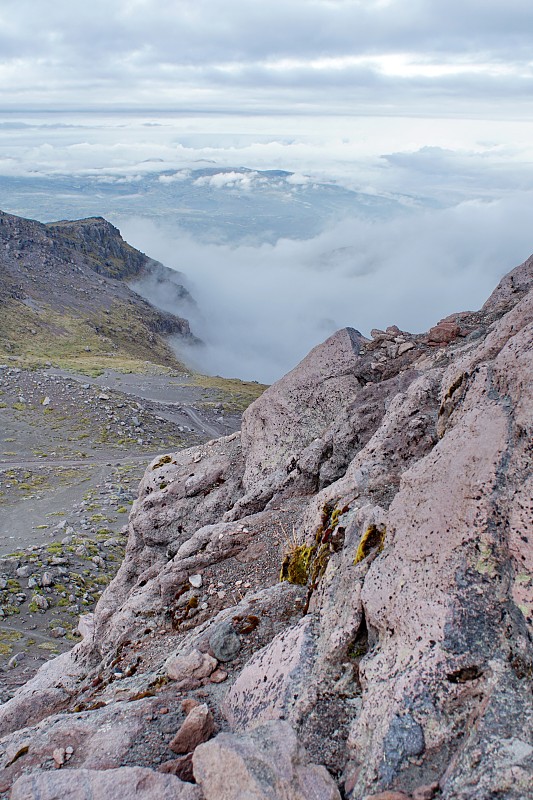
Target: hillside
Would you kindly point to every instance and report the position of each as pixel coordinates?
(335, 602)
(65, 297)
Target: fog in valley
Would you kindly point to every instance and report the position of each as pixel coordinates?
(261, 307)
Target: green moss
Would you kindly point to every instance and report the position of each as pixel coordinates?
(372, 539)
(296, 564)
(167, 459)
(50, 646)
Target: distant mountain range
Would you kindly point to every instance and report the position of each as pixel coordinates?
(227, 204)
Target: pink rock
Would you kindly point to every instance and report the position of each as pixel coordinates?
(218, 676)
(444, 332)
(426, 792)
(136, 783)
(181, 767)
(265, 688)
(388, 796)
(197, 727)
(265, 764)
(295, 410)
(194, 666)
(188, 704)
(86, 625)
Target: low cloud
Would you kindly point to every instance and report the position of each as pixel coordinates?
(261, 308)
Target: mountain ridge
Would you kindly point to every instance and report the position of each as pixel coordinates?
(68, 281)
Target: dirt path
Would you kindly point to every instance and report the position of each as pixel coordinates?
(72, 452)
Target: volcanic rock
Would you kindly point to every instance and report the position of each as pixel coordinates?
(384, 610)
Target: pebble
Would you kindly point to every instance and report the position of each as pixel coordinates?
(195, 581)
(224, 642)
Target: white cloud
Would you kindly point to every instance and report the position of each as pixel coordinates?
(287, 54)
(231, 180)
(263, 307)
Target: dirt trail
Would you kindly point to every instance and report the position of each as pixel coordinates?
(72, 452)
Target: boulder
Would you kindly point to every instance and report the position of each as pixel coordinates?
(136, 783)
(198, 727)
(266, 764)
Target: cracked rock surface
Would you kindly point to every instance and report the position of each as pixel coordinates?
(388, 482)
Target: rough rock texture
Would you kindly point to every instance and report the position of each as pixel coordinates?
(198, 727)
(264, 765)
(388, 482)
(112, 784)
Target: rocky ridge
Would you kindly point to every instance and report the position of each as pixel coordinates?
(388, 483)
(68, 284)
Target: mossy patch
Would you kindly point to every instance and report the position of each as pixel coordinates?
(373, 539)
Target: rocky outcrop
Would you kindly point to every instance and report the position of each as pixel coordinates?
(55, 278)
(388, 483)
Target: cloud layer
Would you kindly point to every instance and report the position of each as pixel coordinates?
(320, 56)
(263, 307)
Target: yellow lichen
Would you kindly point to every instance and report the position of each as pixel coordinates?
(162, 461)
(373, 538)
(296, 564)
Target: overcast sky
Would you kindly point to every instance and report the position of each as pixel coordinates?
(428, 101)
(427, 57)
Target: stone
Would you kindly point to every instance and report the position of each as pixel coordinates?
(137, 783)
(181, 767)
(287, 417)
(195, 581)
(404, 347)
(40, 601)
(218, 676)
(225, 642)
(267, 764)
(197, 727)
(265, 689)
(195, 665)
(188, 704)
(388, 796)
(444, 332)
(426, 792)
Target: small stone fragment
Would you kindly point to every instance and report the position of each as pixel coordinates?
(40, 601)
(405, 347)
(188, 704)
(47, 579)
(59, 756)
(426, 792)
(198, 727)
(195, 581)
(195, 665)
(224, 642)
(218, 676)
(181, 767)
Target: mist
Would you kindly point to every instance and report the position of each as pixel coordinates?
(262, 307)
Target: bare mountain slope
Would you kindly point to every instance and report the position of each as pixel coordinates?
(64, 293)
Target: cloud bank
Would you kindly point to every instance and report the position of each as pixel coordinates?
(263, 307)
(316, 55)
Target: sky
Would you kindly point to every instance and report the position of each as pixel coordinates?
(426, 102)
(422, 57)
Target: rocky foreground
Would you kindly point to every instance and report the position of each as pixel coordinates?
(387, 483)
